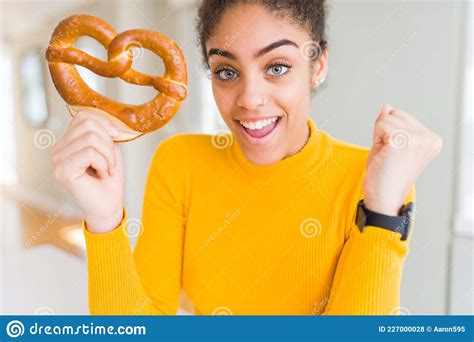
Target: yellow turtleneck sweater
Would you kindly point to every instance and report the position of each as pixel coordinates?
(245, 239)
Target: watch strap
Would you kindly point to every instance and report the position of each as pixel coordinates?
(400, 224)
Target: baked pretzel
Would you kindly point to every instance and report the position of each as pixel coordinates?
(132, 120)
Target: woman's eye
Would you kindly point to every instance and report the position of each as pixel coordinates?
(278, 70)
(226, 74)
(274, 70)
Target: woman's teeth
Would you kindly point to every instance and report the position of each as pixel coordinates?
(258, 124)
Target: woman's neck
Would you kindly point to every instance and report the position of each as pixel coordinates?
(302, 144)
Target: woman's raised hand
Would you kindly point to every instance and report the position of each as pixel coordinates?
(89, 164)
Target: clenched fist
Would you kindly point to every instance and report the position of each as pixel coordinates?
(402, 148)
(89, 164)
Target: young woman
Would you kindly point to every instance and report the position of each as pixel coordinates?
(264, 223)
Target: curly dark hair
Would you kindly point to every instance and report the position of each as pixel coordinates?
(307, 14)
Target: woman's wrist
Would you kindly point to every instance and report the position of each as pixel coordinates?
(104, 225)
(383, 207)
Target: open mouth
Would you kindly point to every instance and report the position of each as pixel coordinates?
(259, 131)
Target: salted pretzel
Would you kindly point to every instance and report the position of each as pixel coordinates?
(131, 120)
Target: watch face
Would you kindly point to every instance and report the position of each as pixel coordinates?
(360, 216)
(408, 215)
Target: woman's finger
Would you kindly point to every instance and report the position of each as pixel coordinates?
(91, 139)
(77, 163)
(83, 127)
(97, 115)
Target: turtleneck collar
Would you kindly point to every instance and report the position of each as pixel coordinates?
(317, 148)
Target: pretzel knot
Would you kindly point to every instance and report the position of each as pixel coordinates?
(132, 120)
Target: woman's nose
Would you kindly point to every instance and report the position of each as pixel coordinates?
(251, 95)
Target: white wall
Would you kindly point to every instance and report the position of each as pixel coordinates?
(407, 54)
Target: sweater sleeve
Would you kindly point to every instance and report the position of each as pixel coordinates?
(369, 271)
(146, 281)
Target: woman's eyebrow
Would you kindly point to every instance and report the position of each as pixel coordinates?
(275, 45)
(258, 54)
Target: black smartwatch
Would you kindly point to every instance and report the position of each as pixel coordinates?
(400, 224)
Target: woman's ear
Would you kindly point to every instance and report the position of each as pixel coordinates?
(319, 70)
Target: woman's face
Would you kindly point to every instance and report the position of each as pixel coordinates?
(261, 81)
